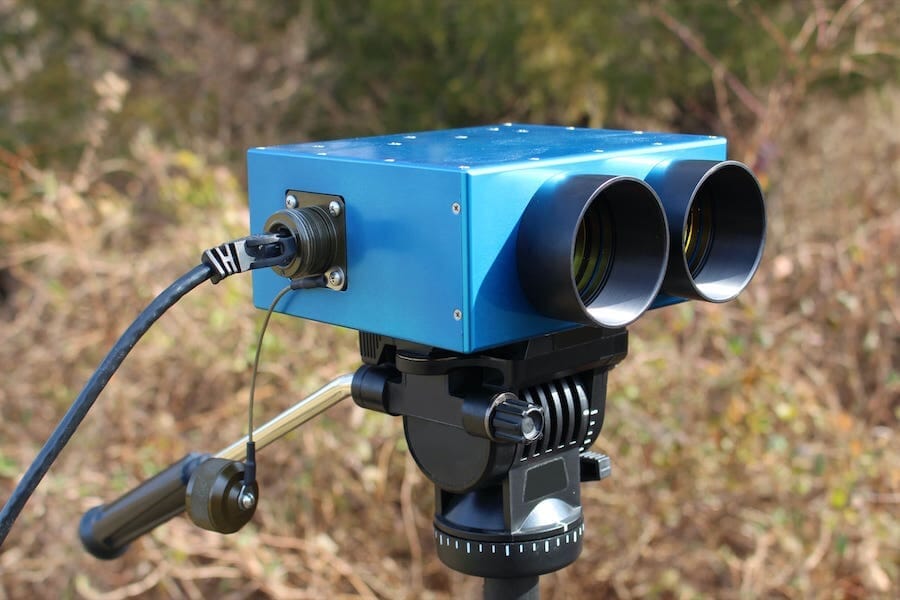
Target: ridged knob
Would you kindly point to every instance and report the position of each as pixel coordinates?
(216, 497)
(515, 420)
(594, 466)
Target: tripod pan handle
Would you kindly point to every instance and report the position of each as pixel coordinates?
(106, 530)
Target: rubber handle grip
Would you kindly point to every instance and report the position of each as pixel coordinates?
(106, 530)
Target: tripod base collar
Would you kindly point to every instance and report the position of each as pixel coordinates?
(506, 559)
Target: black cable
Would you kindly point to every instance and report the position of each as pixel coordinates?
(259, 342)
(304, 283)
(92, 389)
(250, 462)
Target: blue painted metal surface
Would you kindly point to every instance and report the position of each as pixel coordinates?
(414, 259)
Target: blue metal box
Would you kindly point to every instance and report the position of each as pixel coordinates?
(432, 219)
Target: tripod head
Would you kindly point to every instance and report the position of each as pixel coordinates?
(506, 505)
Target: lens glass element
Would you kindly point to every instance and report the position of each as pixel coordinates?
(592, 255)
(698, 233)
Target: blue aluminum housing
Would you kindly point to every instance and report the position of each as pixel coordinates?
(432, 220)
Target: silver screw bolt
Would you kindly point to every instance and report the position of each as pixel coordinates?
(457, 314)
(247, 500)
(290, 201)
(456, 208)
(334, 208)
(336, 279)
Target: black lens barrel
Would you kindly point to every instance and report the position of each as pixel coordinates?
(597, 249)
(717, 227)
(592, 249)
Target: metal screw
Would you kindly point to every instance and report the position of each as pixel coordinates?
(334, 208)
(457, 314)
(456, 208)
(247, 500)
(290, 201)
(336, 278)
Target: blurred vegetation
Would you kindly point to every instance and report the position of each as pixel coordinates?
(755, 443)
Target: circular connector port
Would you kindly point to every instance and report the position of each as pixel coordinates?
(316, 239)
(592, 249)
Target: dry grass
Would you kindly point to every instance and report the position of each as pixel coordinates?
(755, 444)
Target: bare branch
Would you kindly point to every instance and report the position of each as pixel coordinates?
(718, 68)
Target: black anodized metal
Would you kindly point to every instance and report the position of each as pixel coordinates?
(106, 530)
(502, 510)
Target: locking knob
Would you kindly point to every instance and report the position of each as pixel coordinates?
(217, 498)
(594, 466)
(512, 419)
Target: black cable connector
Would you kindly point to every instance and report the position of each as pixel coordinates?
(251, 252)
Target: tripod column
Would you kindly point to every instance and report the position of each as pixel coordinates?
(519, 588)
